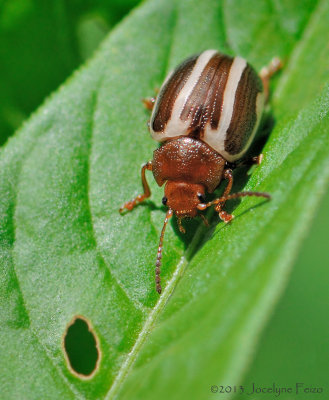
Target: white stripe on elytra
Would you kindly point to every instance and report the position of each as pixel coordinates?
(175, 126)
(260, 100)
(216, 137)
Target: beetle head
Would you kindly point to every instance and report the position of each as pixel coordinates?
(183, 198)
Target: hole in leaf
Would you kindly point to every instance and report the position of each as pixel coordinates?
(81, 348)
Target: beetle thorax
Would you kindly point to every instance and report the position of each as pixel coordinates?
(183, 197)
(190, 161)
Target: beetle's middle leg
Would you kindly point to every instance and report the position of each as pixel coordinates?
(129, 205)
(257, 160)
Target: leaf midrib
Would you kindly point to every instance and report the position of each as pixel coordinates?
(147, 327)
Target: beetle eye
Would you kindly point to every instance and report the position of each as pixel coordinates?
(164, 200)
(202, 197)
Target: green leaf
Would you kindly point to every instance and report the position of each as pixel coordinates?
(66, 251)
(293, 349)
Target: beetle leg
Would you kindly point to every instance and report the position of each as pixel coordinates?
(180, 226)
(223, 215)
(129, 205)
(149, 103)
(228, 175)
(267, 72)
(204, 219)
(256, 160)
(218, 203)
(246, 162)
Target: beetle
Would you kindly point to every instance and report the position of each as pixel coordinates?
(205, 117)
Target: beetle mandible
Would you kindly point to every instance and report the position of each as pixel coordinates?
(205, 115)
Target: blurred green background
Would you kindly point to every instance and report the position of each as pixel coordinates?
(41, 44)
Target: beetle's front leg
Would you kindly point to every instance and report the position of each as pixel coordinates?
(129, 205)
(223, 215)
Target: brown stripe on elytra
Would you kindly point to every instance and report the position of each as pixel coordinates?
(170, 92)
(205, 101)
(244, 115)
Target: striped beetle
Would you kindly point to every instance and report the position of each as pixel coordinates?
(206, 114)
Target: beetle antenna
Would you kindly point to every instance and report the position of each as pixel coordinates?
(203, 206)
(244, 194)
(159, 255)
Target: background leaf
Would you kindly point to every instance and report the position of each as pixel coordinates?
(41, 43)
(66, 251)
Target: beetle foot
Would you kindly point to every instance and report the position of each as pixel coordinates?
(258, 159)
(180, 226)
(149, 103)
(130, 205)
(224, 216)
(127, 207)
